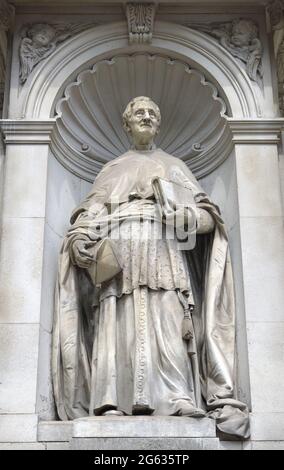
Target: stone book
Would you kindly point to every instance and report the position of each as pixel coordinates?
(171, 196)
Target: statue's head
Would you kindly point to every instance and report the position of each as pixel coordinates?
(141, 119)
(243, 32)
(41, 34)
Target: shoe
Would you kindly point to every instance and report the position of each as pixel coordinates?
(113, 413)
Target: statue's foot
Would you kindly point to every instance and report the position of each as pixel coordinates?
(142, 409)
(113, 413)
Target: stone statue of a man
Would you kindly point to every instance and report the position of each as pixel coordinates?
(120, 348)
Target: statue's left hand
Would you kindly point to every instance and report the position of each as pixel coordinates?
(181, 218)
(81, 254)
(205, 222)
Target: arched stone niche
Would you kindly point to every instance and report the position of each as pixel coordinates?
(85, 85)
(89, 132)
(40, 92)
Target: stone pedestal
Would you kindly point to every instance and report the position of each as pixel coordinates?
(143, 433)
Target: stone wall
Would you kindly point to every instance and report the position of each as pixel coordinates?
(46, 174)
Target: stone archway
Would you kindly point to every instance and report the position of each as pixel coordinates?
(89, 133)
(190, 57)
(42, 89)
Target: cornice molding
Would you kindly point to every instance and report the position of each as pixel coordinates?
(30, 131)
(256, 131)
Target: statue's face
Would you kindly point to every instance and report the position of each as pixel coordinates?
(241, 35)
(144, 121)
(43, 37)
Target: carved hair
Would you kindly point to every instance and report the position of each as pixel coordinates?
(128, 110)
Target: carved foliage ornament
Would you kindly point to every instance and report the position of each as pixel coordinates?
(140, 20)
(275, 10)
(6, 15)
(276, 14)
(240, 38)
(40, 40)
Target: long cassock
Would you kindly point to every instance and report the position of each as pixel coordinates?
(120, 346)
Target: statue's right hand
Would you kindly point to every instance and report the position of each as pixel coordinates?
(81, 254)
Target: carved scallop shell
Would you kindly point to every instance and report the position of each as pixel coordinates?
(89, 129)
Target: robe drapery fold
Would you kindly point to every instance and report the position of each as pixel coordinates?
(120, 345)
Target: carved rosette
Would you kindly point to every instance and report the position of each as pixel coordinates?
(140, 20)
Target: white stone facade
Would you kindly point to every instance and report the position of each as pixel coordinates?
(52, 146)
